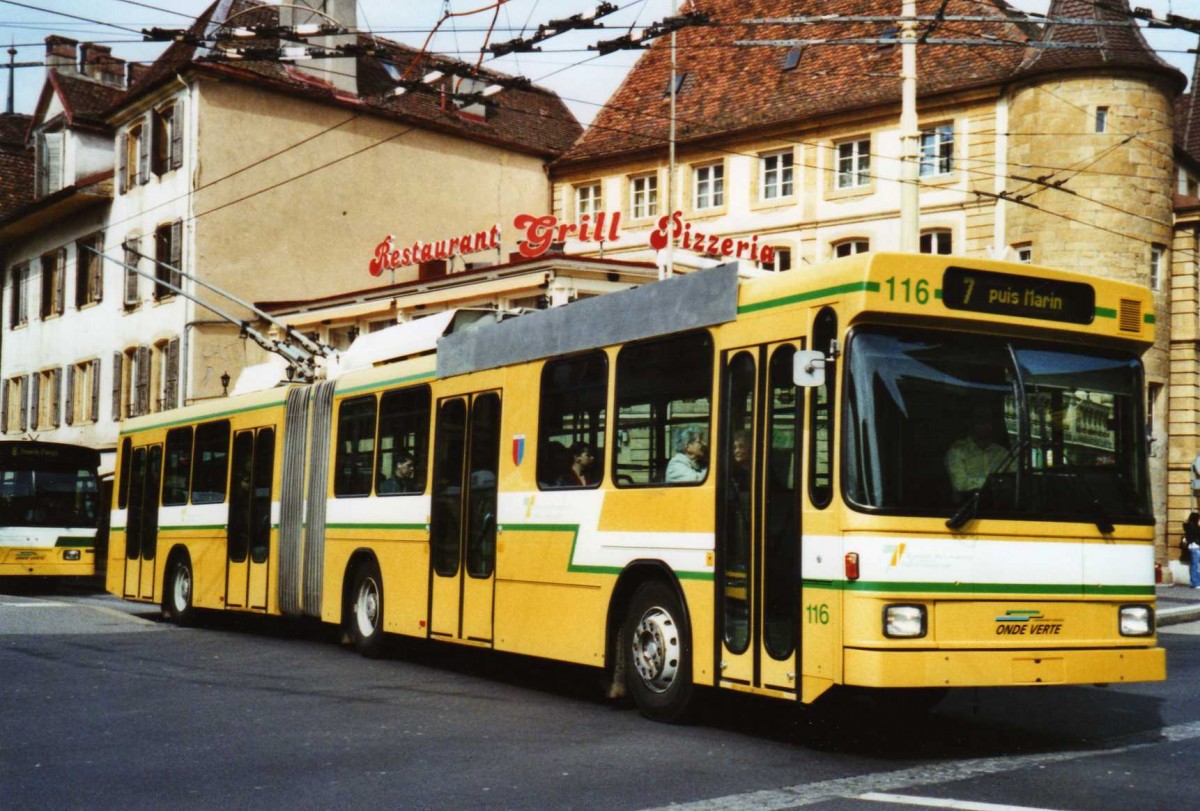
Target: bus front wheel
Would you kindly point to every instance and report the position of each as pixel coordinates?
(177, 597)
(365, 610)
(658, 644)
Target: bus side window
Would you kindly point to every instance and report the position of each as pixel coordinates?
(664, 411)
(210, 463)
(403, 442)
(354, 464)
(126, 466)
(572, 420)
(820, 425)
(178, 467)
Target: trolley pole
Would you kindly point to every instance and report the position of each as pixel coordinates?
(910, 191)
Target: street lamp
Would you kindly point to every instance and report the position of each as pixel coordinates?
(225, 383)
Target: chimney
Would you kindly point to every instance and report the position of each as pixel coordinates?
(60, 54)
(98, 63)
(136, 71)
(340, 72)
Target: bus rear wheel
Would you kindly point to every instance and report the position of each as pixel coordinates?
(364, 609)
(658, 643)
(177, 596)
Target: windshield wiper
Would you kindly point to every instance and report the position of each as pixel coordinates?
(967, 511)
(1101, 519)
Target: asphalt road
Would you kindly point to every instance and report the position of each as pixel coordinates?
(102, 706)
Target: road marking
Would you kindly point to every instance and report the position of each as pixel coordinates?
(939, 802)
(35, 605)
(852, 787)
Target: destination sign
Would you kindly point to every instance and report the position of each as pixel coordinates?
(986, 291)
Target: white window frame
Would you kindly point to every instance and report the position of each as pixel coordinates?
(934, 237)
(1101, 119)
(781, 251)
(850, 246)
(776, 175)
(937, 151)
(708, 186)
(1158, 258)
(643, 196)
(854, 163)
(588, 197)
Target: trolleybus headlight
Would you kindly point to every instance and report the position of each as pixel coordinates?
(904, 621)
(1137, 620)
(71, 554)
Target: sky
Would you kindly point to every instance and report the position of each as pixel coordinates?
(582, 78)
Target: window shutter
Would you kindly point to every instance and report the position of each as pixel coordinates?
(96, 274)
(69, 410)
(171, 393)
(118, 358)
(177, 135)
(40, 186)
(143, 380)
(23, 417)
(123, 163)
(60, 260)
(176, 253)
(158, 149)
(14, 297)
(46, 305)
(5, 394)
(55, 398)
(54, 170)
(35, 401)
(144, 153)
(96, 391)
(23, 299)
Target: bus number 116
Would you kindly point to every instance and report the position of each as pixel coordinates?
(909, 292)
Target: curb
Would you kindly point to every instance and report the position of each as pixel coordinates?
(1177, 615)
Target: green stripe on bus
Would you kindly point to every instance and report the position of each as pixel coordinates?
(975, 589)
(375, 526)
(1148, 318)
(392, 382)
(577, 568)
(937, 294)
(853, 287)
(206, 418)
(1105, 312)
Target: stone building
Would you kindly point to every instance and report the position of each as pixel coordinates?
(1053, 145)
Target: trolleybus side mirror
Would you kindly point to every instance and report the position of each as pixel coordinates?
(808, 368)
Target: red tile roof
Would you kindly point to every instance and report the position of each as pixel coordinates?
(16, 163)
(534, 120)
(85, 100)
(731, 88)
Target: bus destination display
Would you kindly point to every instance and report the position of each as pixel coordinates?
(986, 291)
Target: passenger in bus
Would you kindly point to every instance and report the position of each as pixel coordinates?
(403, 478)
(581, 462)
(971, 458)
(690, 463)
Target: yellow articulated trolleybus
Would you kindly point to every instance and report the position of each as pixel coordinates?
(891, 471)
(49, 509)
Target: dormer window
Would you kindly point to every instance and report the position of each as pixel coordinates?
(49, 147)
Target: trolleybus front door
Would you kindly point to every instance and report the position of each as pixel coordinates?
(141, 522)
(249, 525)
(758, 519)
(463, 521)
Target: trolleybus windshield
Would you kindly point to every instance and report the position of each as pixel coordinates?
(50, 496)
(947, 424)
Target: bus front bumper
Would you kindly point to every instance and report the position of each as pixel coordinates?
(51, 562)
(1002, 668)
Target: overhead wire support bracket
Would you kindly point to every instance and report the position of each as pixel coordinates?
(667, 25)
(552, 29)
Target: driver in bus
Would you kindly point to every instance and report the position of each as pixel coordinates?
(971, 458)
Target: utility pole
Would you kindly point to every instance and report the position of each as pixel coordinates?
(910, 134)
(669, 270)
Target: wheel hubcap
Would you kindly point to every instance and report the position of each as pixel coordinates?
(183, 588)
(656, 649)
(366, 607)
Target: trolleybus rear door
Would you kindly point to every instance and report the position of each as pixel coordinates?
(758, 519)
(463, 521)
(141, 522)
(249, 526)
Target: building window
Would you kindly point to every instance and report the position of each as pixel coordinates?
(131, 382)
(937, 241)
(1101, 119)
(83, 393)
(89, 278)
(19, 296)
(1158, 255)
(710, 186)
(15, 405)
(53, 281)
(46, 405)
(643, 196)
(131, 276)
(854, 164)
(1024, 253)
(775, 175)
(49, 146)
(849, 247)
(781, 262)
(133, 155)
(937, 150)
(587, 200)
(168, 252)
(167, 149)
